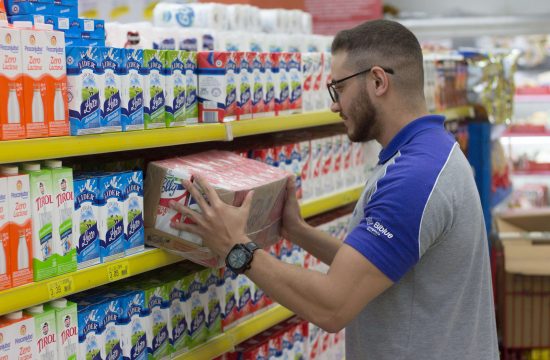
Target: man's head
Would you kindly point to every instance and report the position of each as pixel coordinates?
(389, 59)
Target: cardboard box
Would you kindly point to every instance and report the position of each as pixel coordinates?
(233, 177)
(523, 279)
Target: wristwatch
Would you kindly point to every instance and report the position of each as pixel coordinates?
(240, 257)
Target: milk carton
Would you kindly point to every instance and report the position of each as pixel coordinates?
(20, 226)
(245, 297)
(89, 330)
(133, 326)
(305, 166)
(111, 335)
(233, 88)
(111, 219)
(317, 166)
(12, 125)
(155, 101)
(179, 315)
(157, 304)
(327, 60)
(56, 105)
(34, 84)
(258, 84)
(295, 79)
(270, 79)
(85, 80)
(133, 212)
(6, 340)
(307, 73)
(44, 255)
(44, 330)
(294, 166)
(175, 87)
(282, 90)
(110, 97)
(133, 87)
(198, 332)
(172, 190)
(20, 330)
(246, 71)
(191, 88)
(212, 301)
(337, 171)
(85, 221)
(62, 219)
(230, 300)
(319, 88)
(5, 265)
(212, 68)
(347, 162)
(66, 320)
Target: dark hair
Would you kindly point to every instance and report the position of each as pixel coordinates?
(385, 43)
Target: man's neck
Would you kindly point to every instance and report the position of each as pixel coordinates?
(395, 120)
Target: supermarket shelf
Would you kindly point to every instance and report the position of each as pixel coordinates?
(228, 340)
(330, 202)
(282, 123)
(458, 112)
(60, 286)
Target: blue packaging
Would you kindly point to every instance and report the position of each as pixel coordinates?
(64, 10)
(73, 3)
(25, 7)
(133, 212)
(89, 330)
(110, 311)
(85, 82)
(111, 220)
(92, 28)
(85, 221)
(111, 102)
(133, 85)
(133, 325)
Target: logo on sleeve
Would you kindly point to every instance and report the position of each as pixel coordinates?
(377, 229)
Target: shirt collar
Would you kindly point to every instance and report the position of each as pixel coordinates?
(407, 133)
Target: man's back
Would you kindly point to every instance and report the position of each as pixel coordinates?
(420, 222)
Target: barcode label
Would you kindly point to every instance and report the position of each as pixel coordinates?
(63, 23)
(210, 116)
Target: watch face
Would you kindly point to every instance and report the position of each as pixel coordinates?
(237, 258)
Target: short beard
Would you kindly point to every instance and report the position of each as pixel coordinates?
(364, 115)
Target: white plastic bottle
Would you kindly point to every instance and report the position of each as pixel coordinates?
(22, 253)
(58, 105)
(37, 105)
(14, 115)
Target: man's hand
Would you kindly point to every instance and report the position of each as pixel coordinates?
(292, 219)
(221, 226)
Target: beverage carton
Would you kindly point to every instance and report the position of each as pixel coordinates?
(244, 304)
(154, 110)
(327, 60)
(295, 79)
(229, 303)
(328, 165)
(85, 81)
(85, 221)
(111, 220)
(66, 320)
(319, 88)
(44, 254)
(89, 330)
(191, 88)
(212, 70)
(133, 212)
(6, 339)
(305, 166)
(133, 326)
(294, 166)
(133, 87)
(110, 98)
(15, 7)
(317, 166)
(258, 84)
(44, 330)
(20, 330)
(246, 81)
(56, 105)
(347, 162)
(271, 75)
(20, 226)
(179, 315)
(111, 336)
(175, 87)
(212, 301)
(34, 84)
(12, 125)
(308, 100)
(282, 89)
(5, 265)
(157, 304)
(337, 171)
(62, 219)
(198, 331)
(233, 89)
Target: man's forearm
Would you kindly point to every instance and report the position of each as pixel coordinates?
(316, 242)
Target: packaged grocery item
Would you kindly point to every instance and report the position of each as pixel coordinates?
(347, 162)
(328, 166)
(5, 263)
(295, 79)
(317, 166)
(110, 97)
(270, 79)
(44, 254)
(56, 105)
(157, 305)
(90, 330)
(6, 340)
(179, 316)
(111, 216)
(213, 86)
(155, 102)
(230, 299)
(233, 177)
(85, 221)
(111, 334)
(319, 88)
(198, 331)
(133, 325)
(133, 212)
(85, 79)
(20, 225)
(66, 320)
(175, 87)
(133, 86)
(282, 85)
(305, 166)
(212, 301)
(12, 125)
(18, 7)
(244, 290)
(191, 89)
(257, 86)
(247, 85)
(62, 221)
(308, 97)
(233, 89)
(44, 330)
(20, 329)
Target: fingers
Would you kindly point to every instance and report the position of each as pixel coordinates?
(208, 189)
(190, 228)
(291, 185)
(247, 203)
(195, 193)
(192, 214)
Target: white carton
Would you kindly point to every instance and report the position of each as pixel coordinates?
(110, 98)
(133, 326)
(155, 83)
(133, 86)
(21, 331)
(328, 165)
(308, 191)
(319, 89)
(89, 331)
(317, 166)
(44, 330)
(111, 220)
(5, 266)
(66, 320)
(111, 336)
(347, 162)
(175, 87)
(85, 221)
(56, 106)
(6, 340)
(308, 101)
(133, 212)
(191, 89)
(337, 151)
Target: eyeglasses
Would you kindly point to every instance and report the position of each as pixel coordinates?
(331, 86)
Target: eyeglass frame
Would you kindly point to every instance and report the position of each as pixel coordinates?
(330, 85)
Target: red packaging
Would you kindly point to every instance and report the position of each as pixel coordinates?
(213, 85)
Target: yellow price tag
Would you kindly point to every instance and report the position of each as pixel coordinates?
(60, 288)
(118, 271)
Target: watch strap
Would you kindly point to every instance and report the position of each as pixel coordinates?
(251, 246)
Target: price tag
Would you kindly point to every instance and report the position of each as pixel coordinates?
(61, 287)
(118, 271)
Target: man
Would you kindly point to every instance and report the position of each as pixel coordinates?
(412, 279)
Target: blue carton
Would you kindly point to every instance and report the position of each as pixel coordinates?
(133, 212)
(110, 312)
(111, 102)
(89, 330)
(25, 7)
(111, 219)
(85, 221)
(133, 86)
(133, 325)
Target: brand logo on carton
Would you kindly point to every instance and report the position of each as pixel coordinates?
(197, 322)
(133, 64)
(170, 186)
(136, 103)
(177, 64)
(87, 61)
(180, 329)
(68, 333)
(185, 16)
(155, 64)
(43, 201)
(190, 64)
(63, 197)
(86, 196)
(140, 347)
